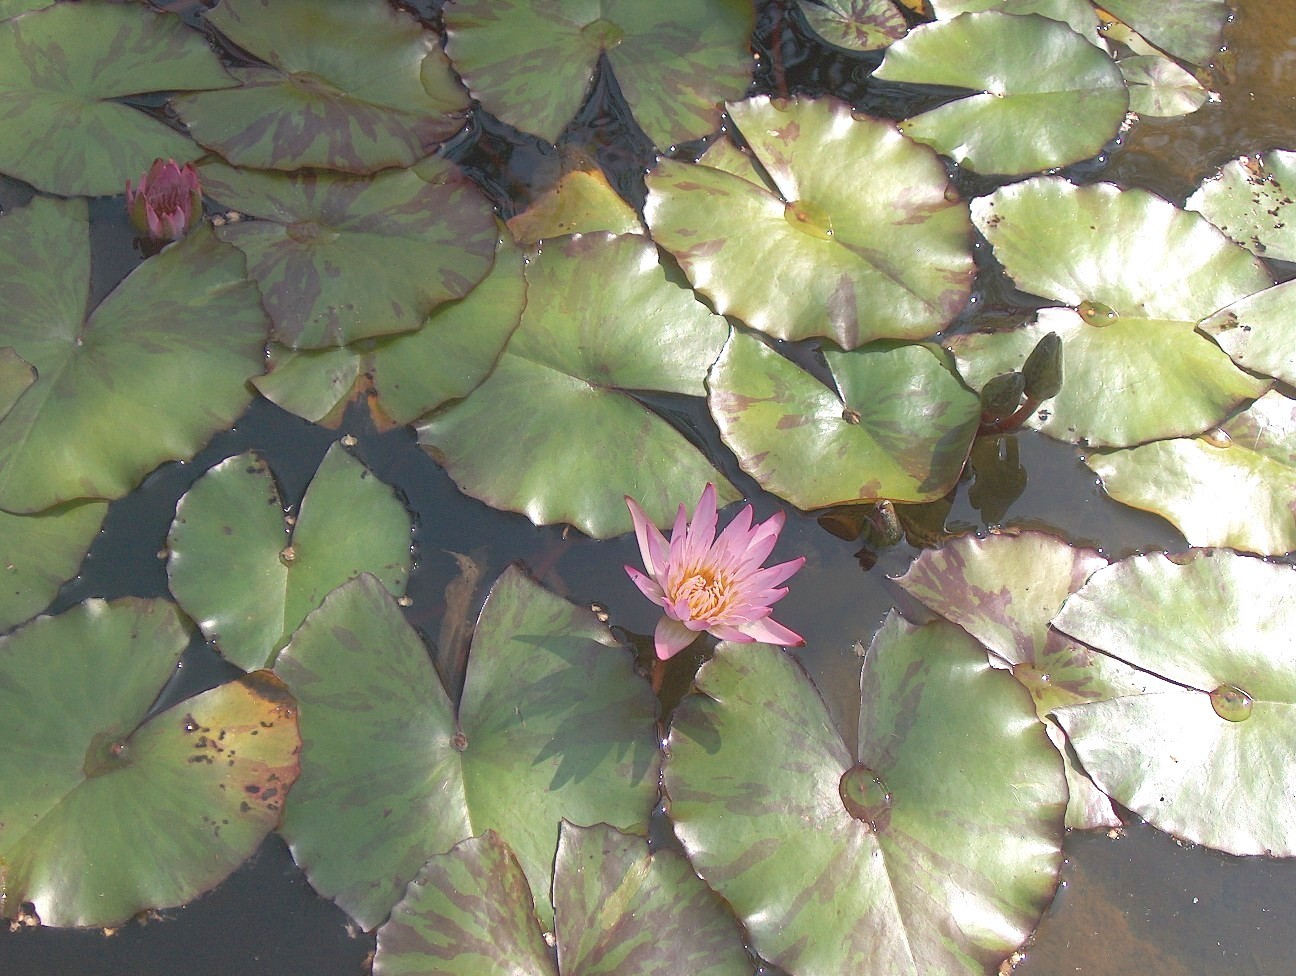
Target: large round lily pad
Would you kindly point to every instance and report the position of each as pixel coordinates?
(124, 812)
(553, 432)
(350, 85)
(234, 569)
(40, 552)
(61, 68)
(619, 910)
(675, 61)
(932, 849)
(553, 723)
(1206, 758)
(858, 236)
(115, 393)
(1250, 200)
(1044, 95)
(899, 425)
(340, 258)
(1232, 486)
(1140, 274)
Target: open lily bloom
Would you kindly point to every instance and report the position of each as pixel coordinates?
(714, 584)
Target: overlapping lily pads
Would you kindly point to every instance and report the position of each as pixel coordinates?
(1233, 486)
(1207, 757)
(340, 258)
(933, 848)
(1159, 87)
(60, 69)
(1251, 200)
(1079, 15)
(125, 812)
(898, 427)
(619, 909)
(553, 432)
(115, 393)
(1259, 331)
(40, 552)
(407, 375)
(581, 202)
(233, 569)
(675, 61)
(857, 25)
(350, 85)
(1188, 29)
(553, 723)
(858, 235)
(1045, 95)
(1139, 274)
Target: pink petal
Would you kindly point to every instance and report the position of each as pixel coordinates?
(678, 539)
(771, 576)
(732, 543)
(701, 531)
(671, 637)
(770, 631)
(761, 541)
(648, 587)
(652, 544)
(726, 632)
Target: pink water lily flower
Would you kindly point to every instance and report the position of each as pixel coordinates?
(168, 201)
(712, 584)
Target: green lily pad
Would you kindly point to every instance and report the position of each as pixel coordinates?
(124, 812)
(340, 258)
(1079, 15)
(552, 432)
(1003, 590)
(40, 552)
(857, 25)
(581, 202)
(1192, 30)
(12, 8)
(1159, 87)
(321, 100)
(675, 61)
(1250, 200)
(1233, 486)
(899, 427)
(16, 375)
(407, 375)
(868, 237)
(1208, 758)
(936, 852)
(1141, 274)
(60, 68)
(1259, 332)
(553, 724)
(115, 393)
(1045, 95)
(234, 570)
(619, 909)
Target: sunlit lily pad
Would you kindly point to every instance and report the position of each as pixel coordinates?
(675, 61)
(115, 395)
(407, 375)
(340, 258)
(1140, 274)
(1159, 87)
(11, 8)
(39, 553)
(552, 432)
(899, 425)
(1207, 759)
(1251, 200)
(1233, 486)
(123, 812)
(857, 25)
(234, 569)
(619, 909)
(1079, 15)
(860, 236)
(1259, 332)
(16, 375)
(61, 67)
(936, 852)
(1045, 96)
(581, 202)
(350, 85)
(553, 724)
(1003, 590)
(1189, 29)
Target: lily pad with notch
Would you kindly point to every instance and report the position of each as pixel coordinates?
(857, 25)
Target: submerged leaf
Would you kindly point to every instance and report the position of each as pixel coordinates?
(1159, 87)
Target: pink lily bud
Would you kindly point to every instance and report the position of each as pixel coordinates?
(167, 203)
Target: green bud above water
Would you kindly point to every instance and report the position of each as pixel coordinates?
(1043, 368)
(1001, 397)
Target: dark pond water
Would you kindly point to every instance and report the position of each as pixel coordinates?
(1134, 902)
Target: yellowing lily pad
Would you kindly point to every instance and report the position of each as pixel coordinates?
(1251, 200)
